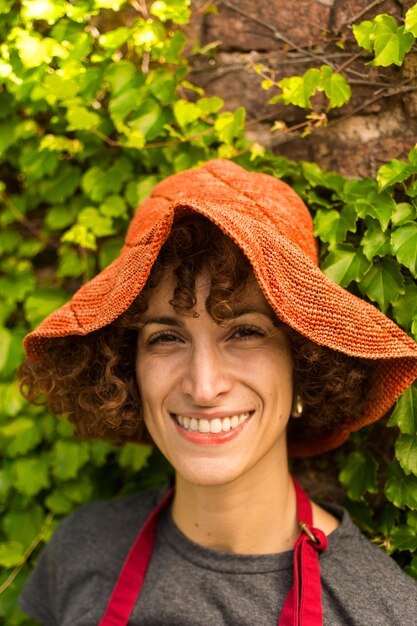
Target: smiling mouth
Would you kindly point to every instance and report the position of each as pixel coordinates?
(213, 426)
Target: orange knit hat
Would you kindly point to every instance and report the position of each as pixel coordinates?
(273, 227)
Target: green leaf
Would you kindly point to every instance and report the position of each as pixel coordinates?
(81, 236)
(71, 264)
(11, 353)
(79, 490)
(42, 302)
(175, 10)
(406, 453)
(230, 125)
(335, 86)
(186, 112)
(383, 283)
(99, 225)
(403, 538)
(59, 217)
(23, 435)
(134, 456)
(62, 185)
(163, 87)
(68, 457)
(404, 212)
(5, 343)
(404, 245)
(405, 413)
(394, 172)
(47, 10)
(332, 226)
(11, 401)
(80, 118)
(390, 42)
(109, 251)
(345, 263)
(11, 554)
(23, 526)
(123, 74)
(400, 489)
(60, 87)
(58, 503)
(211, 105)
(375, 242)
(405, 308)
(113, 39)
(368, 201)
(362, 34)
(297, 90)
(137, 191)
(113, 206)
(31, 475)
(411, 20)
(358, 475)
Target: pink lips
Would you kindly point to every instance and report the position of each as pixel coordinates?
(211, 439)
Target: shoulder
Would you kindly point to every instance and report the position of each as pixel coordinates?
(83, 559)
(362, 580)
(108, 518)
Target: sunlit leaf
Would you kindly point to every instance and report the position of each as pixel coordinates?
(297, 90)
(390, 41)
(394, 172)
(411, 20)
(335, 86)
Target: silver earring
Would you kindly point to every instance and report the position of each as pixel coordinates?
(297, 407)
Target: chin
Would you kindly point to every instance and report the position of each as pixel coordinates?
(208, 474)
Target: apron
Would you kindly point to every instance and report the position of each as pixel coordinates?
(302, 606)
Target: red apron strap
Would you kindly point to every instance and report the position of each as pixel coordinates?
(132, 575)
(303, 604)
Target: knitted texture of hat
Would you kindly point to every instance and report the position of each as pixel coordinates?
(273, 227)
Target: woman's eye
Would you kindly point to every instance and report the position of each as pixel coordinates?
(163, 338)
(247, 332)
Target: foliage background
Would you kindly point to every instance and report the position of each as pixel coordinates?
(91, 117)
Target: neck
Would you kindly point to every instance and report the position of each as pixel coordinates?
(245, 516)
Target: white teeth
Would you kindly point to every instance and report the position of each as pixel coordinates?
(226, 424)
(203, 426)
(216, 425)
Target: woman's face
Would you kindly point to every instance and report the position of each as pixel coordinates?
(216, 397)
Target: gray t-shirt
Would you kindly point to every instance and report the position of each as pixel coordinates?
(189, 585)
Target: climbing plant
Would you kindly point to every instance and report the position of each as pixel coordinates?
(95, 108)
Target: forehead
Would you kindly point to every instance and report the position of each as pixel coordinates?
(250, 297)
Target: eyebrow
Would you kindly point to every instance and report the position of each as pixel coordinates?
(166, 320)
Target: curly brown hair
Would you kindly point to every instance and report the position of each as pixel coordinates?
(92, 378)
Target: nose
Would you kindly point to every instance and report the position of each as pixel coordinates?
(206, 378)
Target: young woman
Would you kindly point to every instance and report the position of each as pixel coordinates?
(215, 335)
